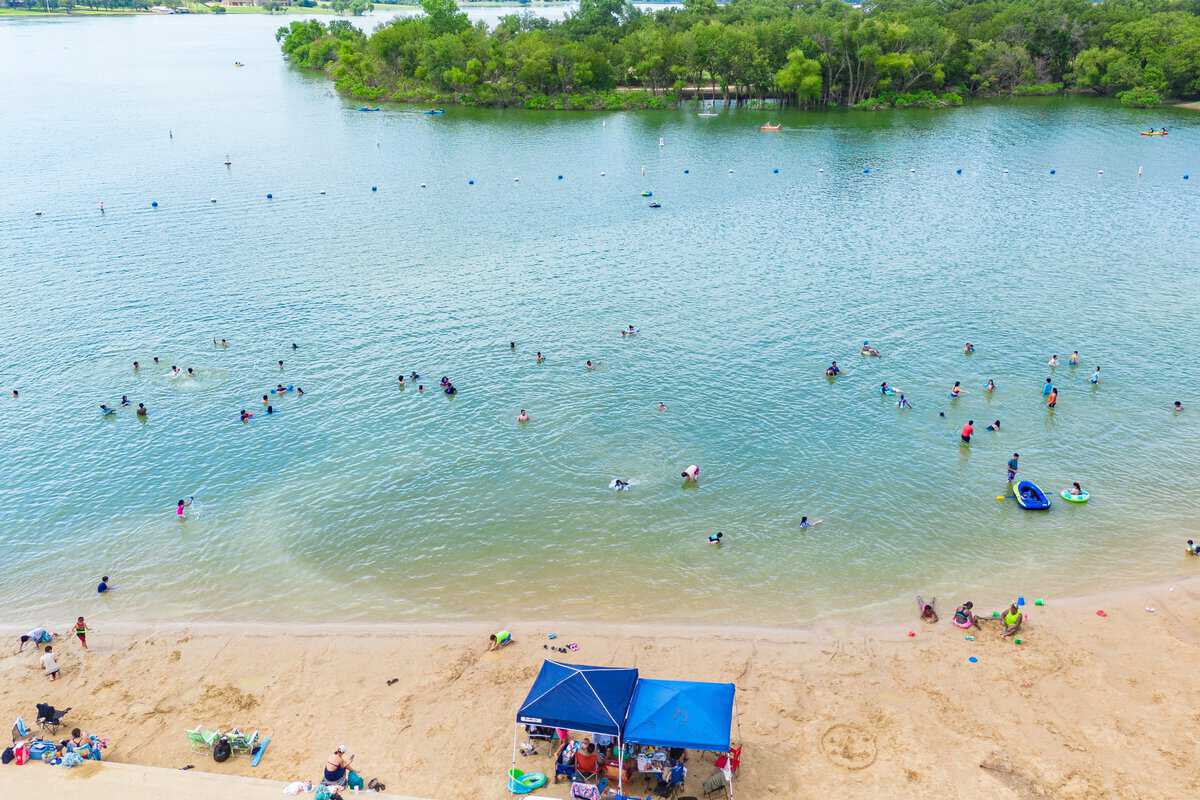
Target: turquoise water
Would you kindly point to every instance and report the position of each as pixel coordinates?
(363, 501)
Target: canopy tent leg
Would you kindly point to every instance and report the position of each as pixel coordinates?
(620, 766)
(508, 783)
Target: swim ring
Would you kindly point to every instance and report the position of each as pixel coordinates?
(1074, 498)
(525, 782)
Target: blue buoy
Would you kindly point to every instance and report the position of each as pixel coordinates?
(685, 172)
(374, 188)
(973, 660)
(1053, 172)
(958, 171)
(270, 196)
(776, 170)
(1185, 177)
(560, 177)
(154, 204)
(865, 171)
(471, 182)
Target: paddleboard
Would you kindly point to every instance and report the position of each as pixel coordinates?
(262, 748)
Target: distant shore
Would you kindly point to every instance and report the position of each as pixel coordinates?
(201, 8)
(1087, 706)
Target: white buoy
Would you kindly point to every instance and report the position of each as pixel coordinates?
(1139, 171)
(422, 186)
(643, 171)
(212, 199)
(516, 180)
(661, 142)
(910, 169)
(322, 192)
(730, 172)
(820, 169)
(602, 174)
(1099, 172)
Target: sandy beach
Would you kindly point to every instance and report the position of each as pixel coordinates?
(1086, 707)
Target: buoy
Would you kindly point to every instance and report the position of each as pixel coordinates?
(212, 199)
(374, 188)
(270, 196)
(516, 180)
(471, 182)
(154, 204)
(866, 170)
(685, 172)
(1039, 602)
(775, 171)
(602, 174)
(559, 177)
(958, 171)
(422, 186)
(1099, 172)
(1053, 171)
(973, 660)
(1185, 177)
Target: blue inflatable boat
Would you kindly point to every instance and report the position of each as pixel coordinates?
(1030, 496)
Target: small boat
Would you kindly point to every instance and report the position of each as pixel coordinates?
(368, 108)
(1075, 498)
(655, 205)
(238, 64)
(769, 128)
(435, 112)
(1030, 496)
(1154, 133)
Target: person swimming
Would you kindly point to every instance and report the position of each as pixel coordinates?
(805, 523)
(691, 474)
(968, 348)
(1052, 398)
(281, 389)
(265, 401)
(136, 366)
(523, 416)
(246, 415)
(1053, 362)
(412, 376)
(885, 389)
(270, 409)
(539, 358)
(400, 380)
(155, 359)
(174, 371)
(512, 345)
(662, 406)
(280, 363)
(903, 402)
(1074, 358)
(180, 506)
(956, 390)
(450, 389)
(967, 430)
(1095, 379)
(618, 485)
(589, 365)
(995, 426)
(124, 399)
(105, 410)
(1014, 464)
(421, 389)
(299, 392)
(833, 370)
(868, 350)
(990, 386)
(1178, 406)
(141, 410)
(1076, 490)
(715, 538)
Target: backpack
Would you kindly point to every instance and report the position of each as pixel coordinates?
(7, 756)
(222, 750)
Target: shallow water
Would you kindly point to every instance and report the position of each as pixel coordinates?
(366, 502)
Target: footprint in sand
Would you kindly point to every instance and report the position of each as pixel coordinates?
(849, 746)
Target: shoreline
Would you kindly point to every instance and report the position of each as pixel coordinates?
(1086, 707)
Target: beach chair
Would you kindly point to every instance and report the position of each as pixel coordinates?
(241, 742)
(670, 787)
(201, 739)
(49, 718)
(20, 731)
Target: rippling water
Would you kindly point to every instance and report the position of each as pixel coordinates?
(365, 501)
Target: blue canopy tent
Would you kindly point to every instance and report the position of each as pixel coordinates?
(687, 714)
(578, 698)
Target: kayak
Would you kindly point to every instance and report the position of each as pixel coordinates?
(1154, 133)
(1030, 496)
(768, 127)
(434, 112)
(1075, 498)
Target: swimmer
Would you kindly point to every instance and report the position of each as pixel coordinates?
(1076, 490)
(280, 388)
(1095, 379)
(105, 410)
(927, 613)
(885, 389)
(867, 350)
(1053, 362)
(225, 343)
(1014, 464)
(691, 474)
(805, 523)
(15, 394)
(956, 390)
(589, 365)
(141, 411)
(400, 380)
(662, 406)
(1074, 359)
(246, 415)
(1046, 388)
(299, 392)
(715, 538)
(175, 371)
(124, 399)
(942, 414)
(421, 389)
(833, 369)
(180, 506)
(450, 390)
(270, 409)
(995, 426)
(280, 363)
(967, 430)
(445, 381)
(619, 485)
(523, 416)
(1178, 407)
(294, 346)
(1193, 548)
(512, 345)
(990, 387)
(265, 401)
(191, 373)
(903, 402)
(412, 376)
(539, 358)
(1052, 398)
(155, 358)
(968, 348)
(136, 366)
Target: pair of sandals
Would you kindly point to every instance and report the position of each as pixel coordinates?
(375, 785)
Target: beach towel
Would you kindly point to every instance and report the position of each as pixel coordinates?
(584, 791)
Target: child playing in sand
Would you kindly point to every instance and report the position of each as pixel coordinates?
(81, 630)
(499, 639)
(927, 612)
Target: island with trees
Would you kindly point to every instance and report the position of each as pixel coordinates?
(608, 54)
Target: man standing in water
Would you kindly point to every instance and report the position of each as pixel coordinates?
(1013, 466)
(967, 430)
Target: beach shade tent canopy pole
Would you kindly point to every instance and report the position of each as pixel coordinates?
(685, 714)
(579, 698)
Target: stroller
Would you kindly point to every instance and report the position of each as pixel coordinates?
(49, 718)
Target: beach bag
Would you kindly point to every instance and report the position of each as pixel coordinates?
(21, 754)
(7, 756)
(354, 781)
(222, 750)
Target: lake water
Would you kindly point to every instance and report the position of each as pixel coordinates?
(363, 501)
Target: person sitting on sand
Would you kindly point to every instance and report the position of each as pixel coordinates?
(1076, 490)
(499, 639)
(337, 767)
(715, 538)
(523, 416)
(964, 616)
(1012, 620)
(691, 474)
(968, 348)
(926, 609)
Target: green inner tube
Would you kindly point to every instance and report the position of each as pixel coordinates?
(1074, 498)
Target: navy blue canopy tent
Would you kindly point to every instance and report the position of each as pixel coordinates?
(687, 714)
(579, 698)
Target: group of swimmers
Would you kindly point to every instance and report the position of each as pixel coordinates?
(107, 410)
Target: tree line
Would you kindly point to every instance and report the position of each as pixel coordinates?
(808, 53)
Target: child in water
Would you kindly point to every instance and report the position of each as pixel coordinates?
(903, 402)
(956, 390)
(715, 538)
(805, 524)
(927, 613)
(1095, 379)
(995, 426)
(180, 506)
